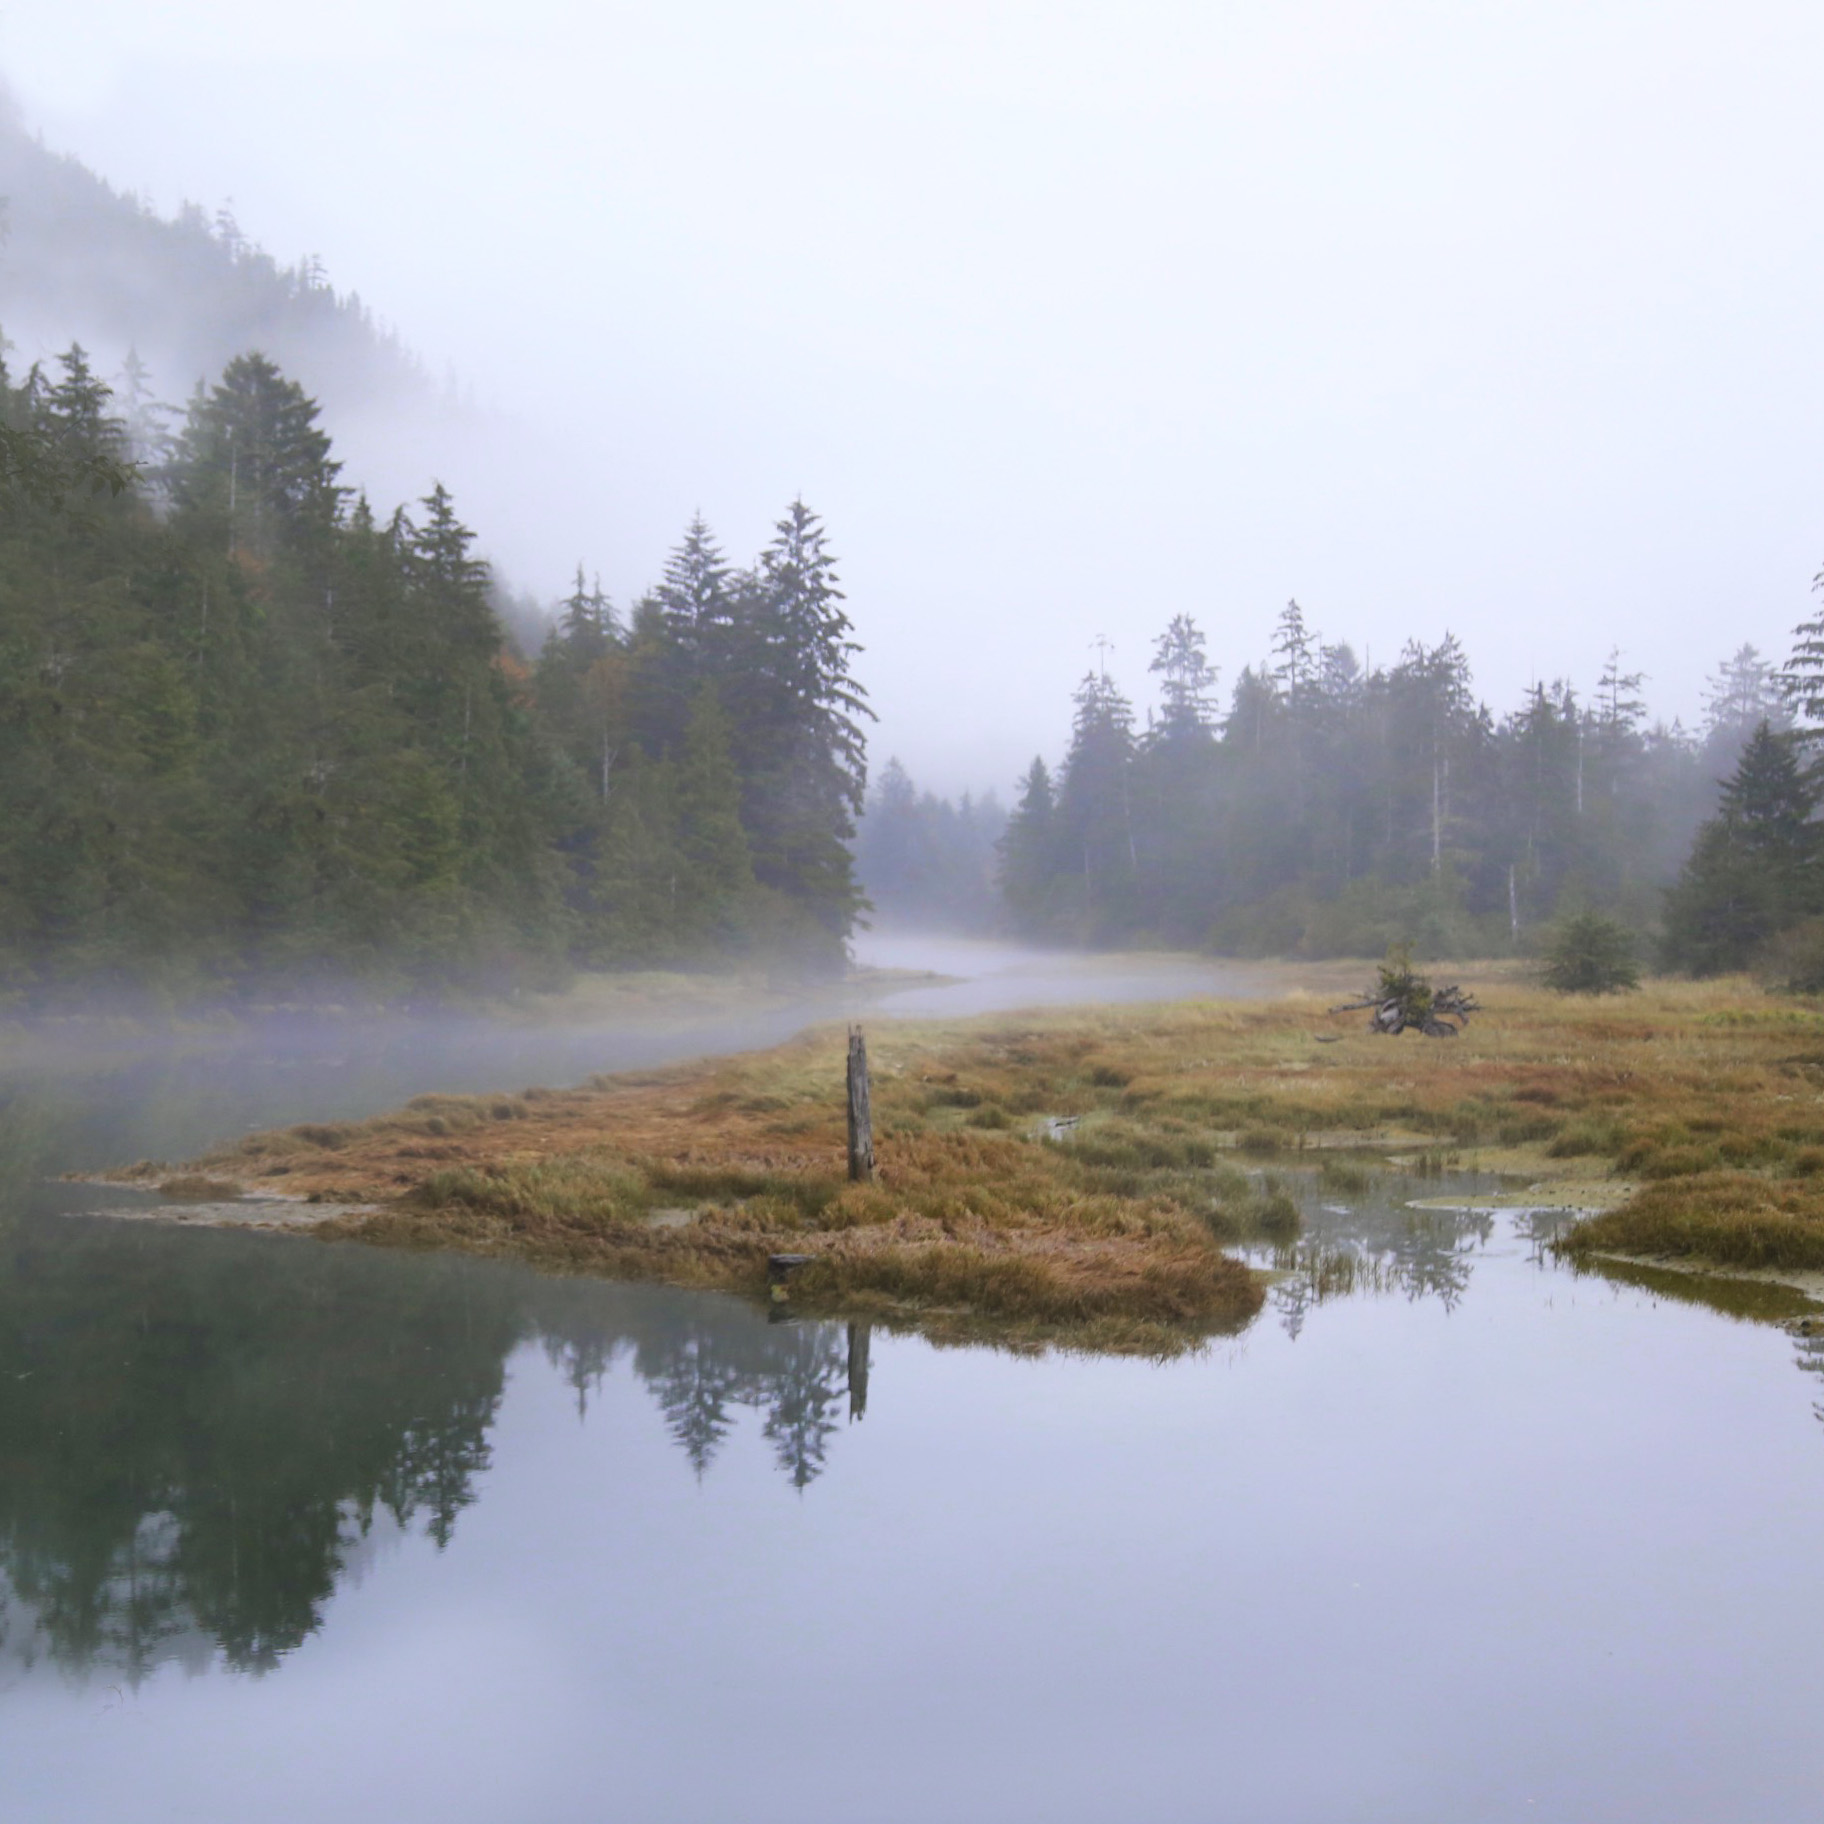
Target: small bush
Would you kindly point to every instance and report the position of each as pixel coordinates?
(1340, 1175)
(1591, 953)
(1276, 1216)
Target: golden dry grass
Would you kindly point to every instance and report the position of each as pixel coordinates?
(1709, 1095)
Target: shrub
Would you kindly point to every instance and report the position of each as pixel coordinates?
(1591, 953)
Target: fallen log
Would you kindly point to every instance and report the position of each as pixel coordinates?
(1439, 1013)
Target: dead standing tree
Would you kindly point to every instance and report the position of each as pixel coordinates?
(1403, 998)
(861, 1116)
(780, 1267)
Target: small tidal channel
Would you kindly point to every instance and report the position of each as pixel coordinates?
(299, 1532)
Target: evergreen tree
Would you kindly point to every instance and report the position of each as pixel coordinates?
(1094, 815)
(1754, 869)
(1295, 654)
(1028, 850)
(697, 599)
(253, 461)
(1187, 682)
(1802, 677)
(719, 879)
(1741, 694)
(798, 713)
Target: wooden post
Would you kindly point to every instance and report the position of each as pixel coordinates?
(861, 1119)
(858, 1370)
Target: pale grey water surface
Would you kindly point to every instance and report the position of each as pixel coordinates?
(301, 1532)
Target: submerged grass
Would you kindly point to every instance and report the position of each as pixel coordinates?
(1076, 1175)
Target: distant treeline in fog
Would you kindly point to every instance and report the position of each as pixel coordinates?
(927, 862)
(1331, 808)
(82, 259)
(253, 731)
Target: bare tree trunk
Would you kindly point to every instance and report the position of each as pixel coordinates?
(861, 1117)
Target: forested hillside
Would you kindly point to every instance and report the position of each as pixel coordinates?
(184, 294)
(1334, 809)
(255, 732)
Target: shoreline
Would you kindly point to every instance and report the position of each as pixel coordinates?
(1076, 1175)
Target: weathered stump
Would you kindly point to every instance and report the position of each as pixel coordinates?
(861, 1118)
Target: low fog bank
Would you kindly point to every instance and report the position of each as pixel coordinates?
(1000, 975)
(87, 1093)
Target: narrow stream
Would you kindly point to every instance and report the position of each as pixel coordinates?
(298, 1531)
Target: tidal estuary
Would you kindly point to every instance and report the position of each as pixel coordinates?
(302, 1531)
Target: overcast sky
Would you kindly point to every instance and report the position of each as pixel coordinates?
(1497, 318)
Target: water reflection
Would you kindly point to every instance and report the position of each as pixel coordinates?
(1808, 1348)
(1756, 1301)
(1376, 1241)
(203, 1433)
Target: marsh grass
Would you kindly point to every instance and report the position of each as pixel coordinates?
(1326, 1271)
(1079, 1173)
(193, 1187)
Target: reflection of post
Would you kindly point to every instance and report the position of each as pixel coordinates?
(861, 1119)
(858, 1370)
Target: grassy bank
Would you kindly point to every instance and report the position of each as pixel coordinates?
(1697, 1109)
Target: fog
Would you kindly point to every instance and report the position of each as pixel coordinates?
(1491, 320)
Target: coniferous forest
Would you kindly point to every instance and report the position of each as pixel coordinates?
(1329, 808)
(256, 731)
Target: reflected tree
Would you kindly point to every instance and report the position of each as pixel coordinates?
(804, 1396)
(695, 1383)
(202, 1429)
(1377, 1243)
(205, 1432)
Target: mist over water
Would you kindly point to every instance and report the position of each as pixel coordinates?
(1291, 486)
(554, 1544)
(995, 975)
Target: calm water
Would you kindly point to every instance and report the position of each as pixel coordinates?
(291, 1531)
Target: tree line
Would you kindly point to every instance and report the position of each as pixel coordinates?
(1330, 807)
(254, 732)
(927, 862)
(1751, 892)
